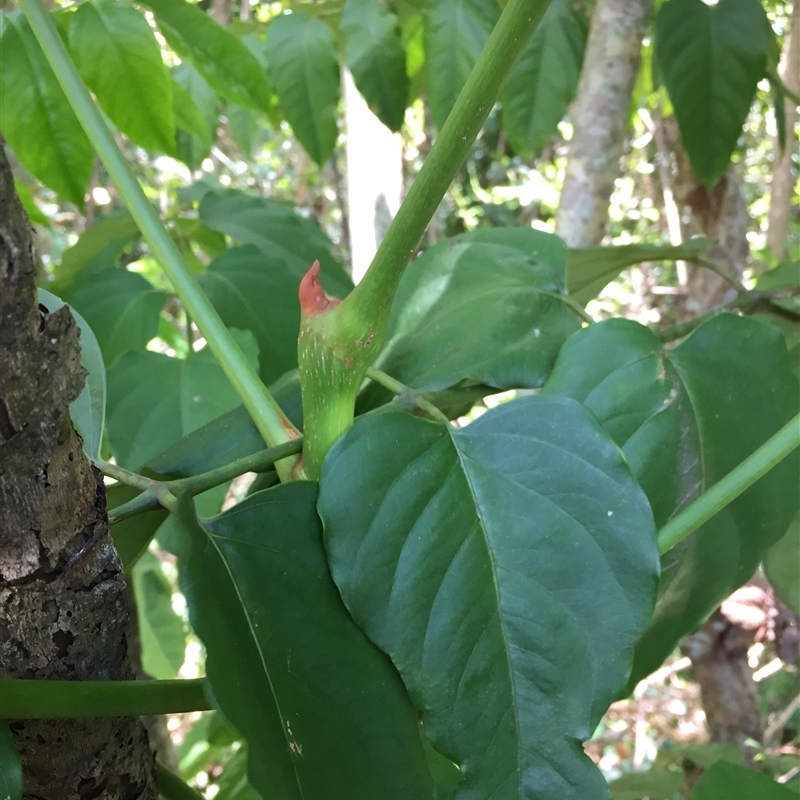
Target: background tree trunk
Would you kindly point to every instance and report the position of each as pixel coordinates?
(599, 118)
(63, 612)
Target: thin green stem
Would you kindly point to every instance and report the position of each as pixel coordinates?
(406, 392)
(270, 420)
(731, 486)
(171, 787)
(724, 274)
(33, 699)
(146, 501)
(123, 475)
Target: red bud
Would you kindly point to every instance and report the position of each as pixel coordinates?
(313, 299)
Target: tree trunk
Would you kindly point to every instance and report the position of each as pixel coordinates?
(599, 118)
(783, 172)
(63, 613)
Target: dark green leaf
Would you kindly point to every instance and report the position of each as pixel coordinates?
(36, 118)
(278, 231)
(154, 400)
(161, 631)
(122, 308)
(546, 78)
(589, 269)
(10, 766)
(375, 55)
(472, 308)
(192, 148)
(785, 276)
(725, 781)
(88, 409)
(711, 59)
(219, 56)
(684, 418)
(781, 566)
(324, 713)
(305, 73)
(456, 32)
(507, 568)
(654, 783)
(132, 536)
(120, 60)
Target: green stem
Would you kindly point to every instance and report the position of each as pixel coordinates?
(123, 475)
(731, 486)
(270, 420)
(30, 699)
(406, 392)
(718, 270)
(146, 501)
(171, 787)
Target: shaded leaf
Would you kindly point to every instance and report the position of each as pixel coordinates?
(654, 783)
(120, 60)
(36, 118)
(785, 276)
(324, 713)
(122, 308)
(375, 55)
(725, 781)
(233, 783)
(507, 568)
(191, 147)
(88, 409)
(711, 58)
(188, 117)
(684, 418)
(456, 31)
(219, 56)
(132, 536)
(154, 400)
(304, 70)
(781, 566)
(10, 766)
(546, 78)
(35, 214)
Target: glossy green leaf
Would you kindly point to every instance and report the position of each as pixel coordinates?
(655, 783)
(219, 56)
(456, 31)
(193, 147)
(161, 631)
(154, 400)
(278, 231)
(589, 269)
(120, 61)
(725, 781)
(122, 308)
(36, 118)
(324, 713)
(684, 418)
(782, 566)
(304, 70)
(472, 308)
(375, 55)
(132, 536)
(711, 58)
(88, 409)
(546, 78)
(507, 568)
(10, 766)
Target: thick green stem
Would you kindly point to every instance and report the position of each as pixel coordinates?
(171, 787)
(33, 699)
(767, 456)
(270, 420)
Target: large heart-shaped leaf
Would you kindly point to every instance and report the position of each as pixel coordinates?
(375, 55)
(305, 73)
(119, 58)
(35, 116)
(122, 308)
(545, 80)
(684, 418)
(325, 715)
(154, 400)
(507, 568)
(472, 308)
(278, 231)
(219, 56)
(456, 31)
(711, 58)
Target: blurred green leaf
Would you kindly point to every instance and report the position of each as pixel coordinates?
(654, 783)
(192, 145)
(724, 781)
(10, 766)
(782, 566)
(35, 214)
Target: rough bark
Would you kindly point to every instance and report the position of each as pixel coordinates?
(599, 118)
(63, 612)
(784, 175)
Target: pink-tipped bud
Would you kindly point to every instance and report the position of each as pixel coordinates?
(313, 299)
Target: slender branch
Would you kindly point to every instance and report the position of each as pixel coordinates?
(406, 393)
(171, 787)
(123, 475)
(724, 274)
(270, 420)
(146, 501)
(35, 699)
(731, 486)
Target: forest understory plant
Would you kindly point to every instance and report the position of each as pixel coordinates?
(415, 597)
